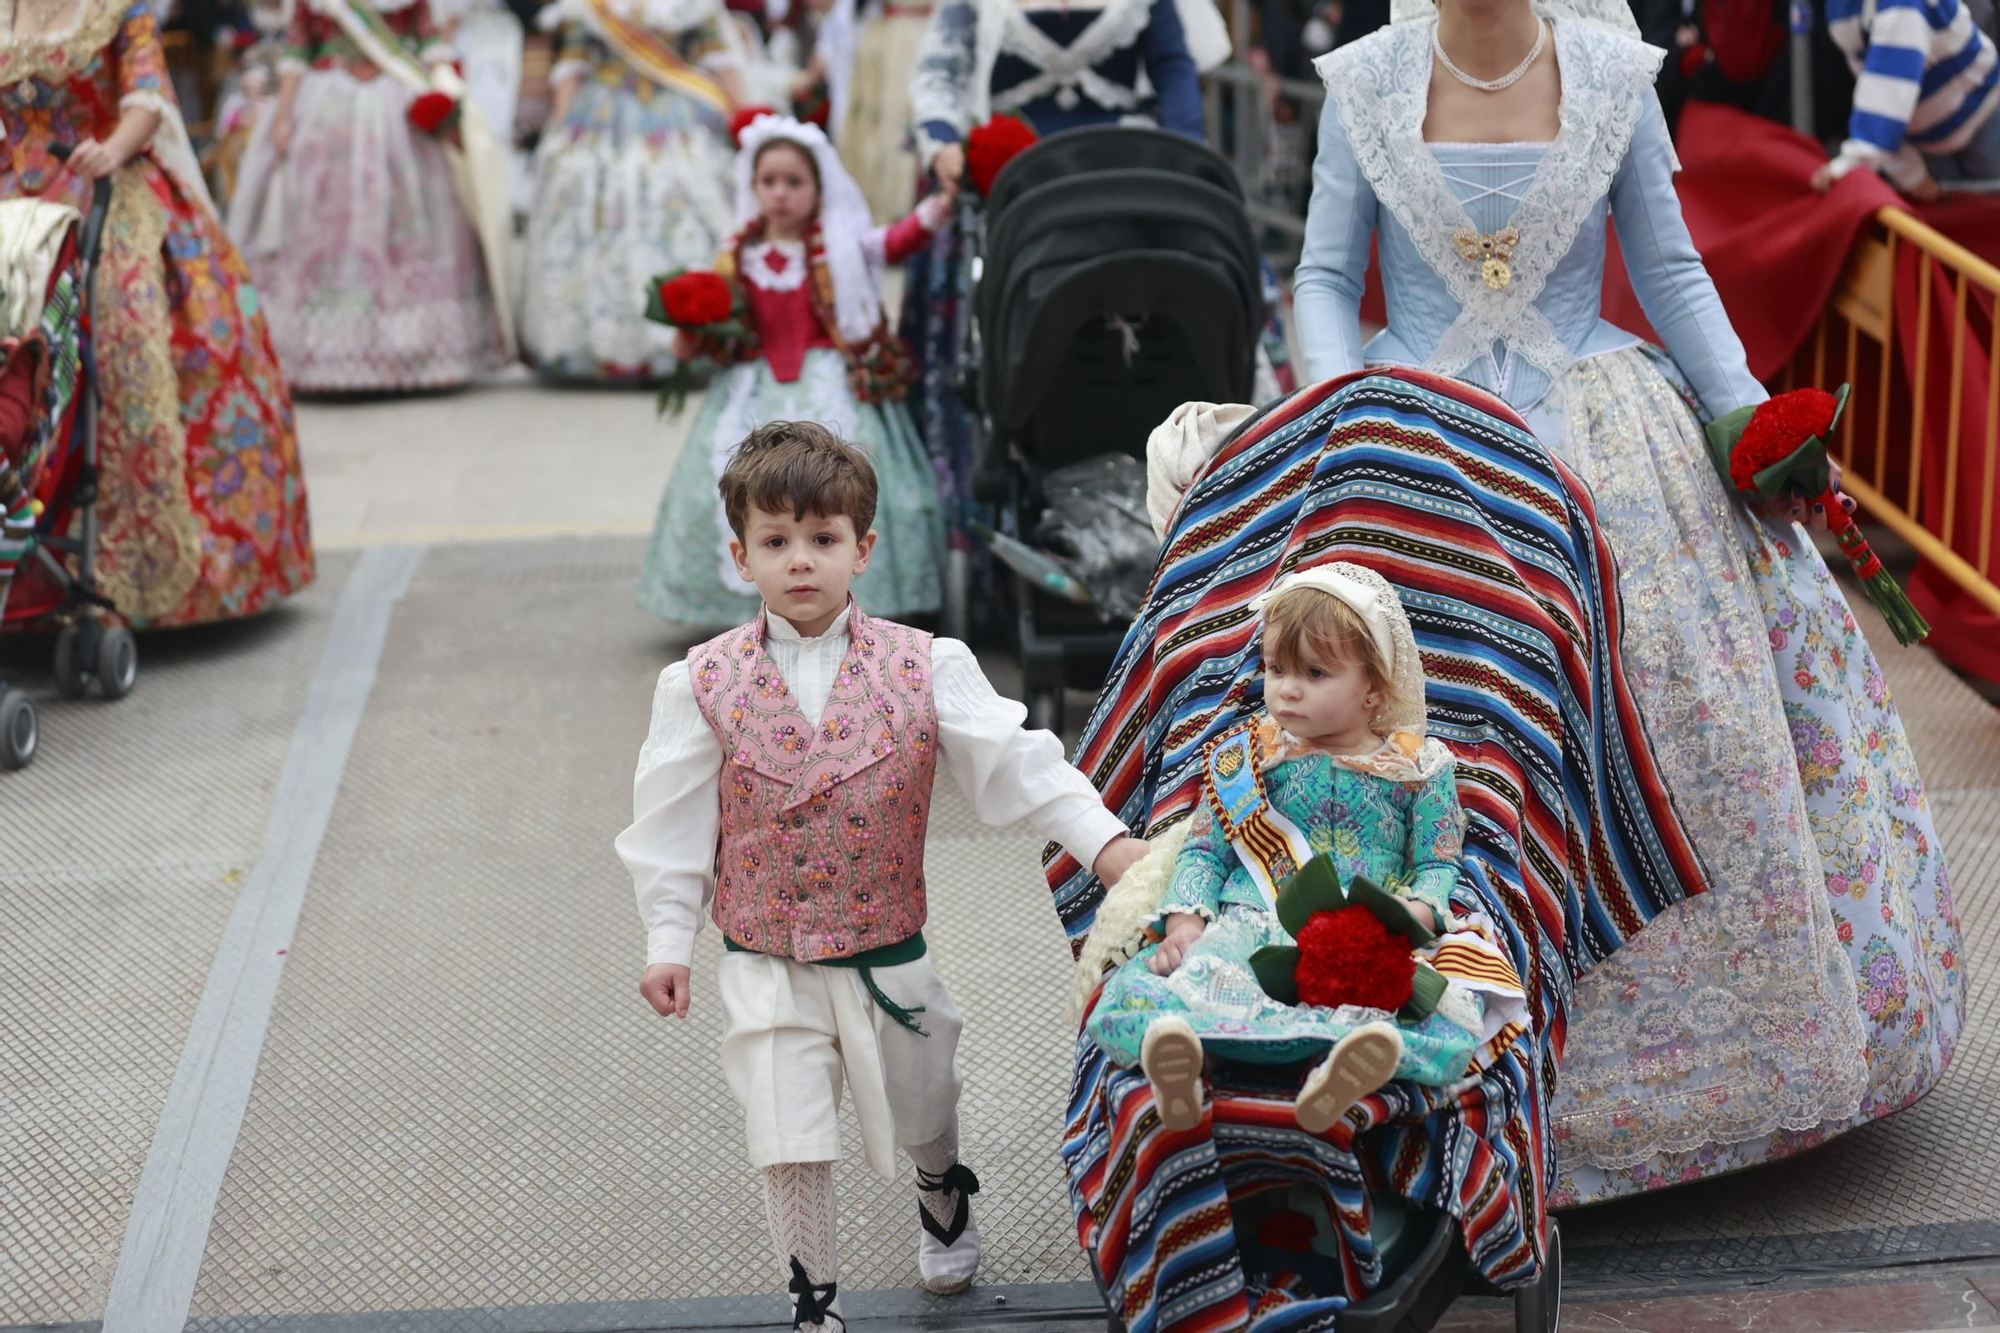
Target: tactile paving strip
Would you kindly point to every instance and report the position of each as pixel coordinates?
(121, 851)
(463, 1105)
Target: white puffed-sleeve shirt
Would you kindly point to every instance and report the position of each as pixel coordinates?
(1007, 773)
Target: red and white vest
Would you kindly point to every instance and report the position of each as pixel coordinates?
(822, 847)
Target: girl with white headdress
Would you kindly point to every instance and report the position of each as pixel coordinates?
(1484, 144)
(808, 260)
(1338, 765)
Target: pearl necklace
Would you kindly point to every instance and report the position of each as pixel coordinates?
(1507, 80)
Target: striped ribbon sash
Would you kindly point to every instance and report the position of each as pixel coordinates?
(1470, 955)
(1271, 847)
(655, 57)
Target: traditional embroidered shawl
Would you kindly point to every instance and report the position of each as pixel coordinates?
(1572, 844)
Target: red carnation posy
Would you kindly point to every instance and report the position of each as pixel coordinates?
(992, 146)
(693, 300)
(1779, 427)
(742, 120)
(433, 111)
(1349, 957)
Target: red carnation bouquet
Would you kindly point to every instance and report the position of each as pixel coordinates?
(707, 306)
(992, 146)
(1355, 946)
(1779, 448)
(435, 113)
(743, 119)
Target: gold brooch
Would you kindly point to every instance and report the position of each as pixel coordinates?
(1490, 251)
(1230, 762)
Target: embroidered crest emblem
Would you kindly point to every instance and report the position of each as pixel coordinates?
(1230, 762)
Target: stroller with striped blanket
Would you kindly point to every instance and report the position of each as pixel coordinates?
(48, 460)
(1249, 1221)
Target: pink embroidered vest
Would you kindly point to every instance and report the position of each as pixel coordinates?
(822, 847)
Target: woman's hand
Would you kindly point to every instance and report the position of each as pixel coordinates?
(94, 161)
(1116, 857)
(686, 346)
(1183, 929)
(281, 133)
(1811, 513)
(949, 165)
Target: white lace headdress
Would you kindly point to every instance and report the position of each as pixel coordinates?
(1370, 597)
(1613, 14)
(844, 220)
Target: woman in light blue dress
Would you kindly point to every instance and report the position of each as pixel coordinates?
(1817, 984)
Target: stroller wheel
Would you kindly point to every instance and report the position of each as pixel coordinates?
(1538, 1308)
(74, 660)
(20, 730)
(117, 662)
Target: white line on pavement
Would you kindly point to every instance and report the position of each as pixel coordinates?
(175, 1204)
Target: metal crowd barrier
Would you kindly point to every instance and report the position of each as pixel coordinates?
(1859, 327)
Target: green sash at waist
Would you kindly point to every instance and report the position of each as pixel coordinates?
(887, 955)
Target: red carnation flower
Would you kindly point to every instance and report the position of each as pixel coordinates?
(742, 120)
(694, 300)
(433, 111)
(1777, 429)
(992, 146)
(1349, 957)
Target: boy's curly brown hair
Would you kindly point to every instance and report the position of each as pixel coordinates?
(799, 466)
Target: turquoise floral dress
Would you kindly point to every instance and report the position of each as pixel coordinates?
(1370, 825)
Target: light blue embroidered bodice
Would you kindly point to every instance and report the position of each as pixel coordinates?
(1612, 159)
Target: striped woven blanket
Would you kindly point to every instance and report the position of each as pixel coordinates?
(1572, 845)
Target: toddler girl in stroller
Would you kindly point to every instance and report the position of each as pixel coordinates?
(1339, 766)
(1248, 1220)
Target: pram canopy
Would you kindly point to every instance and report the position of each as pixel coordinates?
(1572, 844)
(1119, 270)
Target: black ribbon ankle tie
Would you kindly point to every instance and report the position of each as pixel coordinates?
(957, 1177)
(815, 1299)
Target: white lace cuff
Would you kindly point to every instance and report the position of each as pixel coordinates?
(1159, 924)
(291, 65)
(565, 70)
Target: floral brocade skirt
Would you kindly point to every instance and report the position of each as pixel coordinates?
(202, 497)
(1217, 993)
(634, 183)
(689, 576)
(374, 275)
(1817, 984)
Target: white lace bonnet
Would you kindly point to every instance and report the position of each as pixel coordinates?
(1369, 596)
(844, 219)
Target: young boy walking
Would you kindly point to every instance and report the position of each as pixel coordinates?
(784, 789)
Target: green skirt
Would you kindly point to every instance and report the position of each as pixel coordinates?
(689, 577)
(1217, 993)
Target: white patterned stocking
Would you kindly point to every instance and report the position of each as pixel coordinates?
(947, 1242)
(799, 1202)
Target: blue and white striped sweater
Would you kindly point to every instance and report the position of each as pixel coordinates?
(1926, 77)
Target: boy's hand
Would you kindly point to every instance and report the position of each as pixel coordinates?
(1183, 929)
(666, 987)
(1425, 913)
(1119, 855)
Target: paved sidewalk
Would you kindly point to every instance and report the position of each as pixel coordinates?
(321, 1015)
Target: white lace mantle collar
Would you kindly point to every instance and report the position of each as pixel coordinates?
(1380, 86)
(775, 266)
